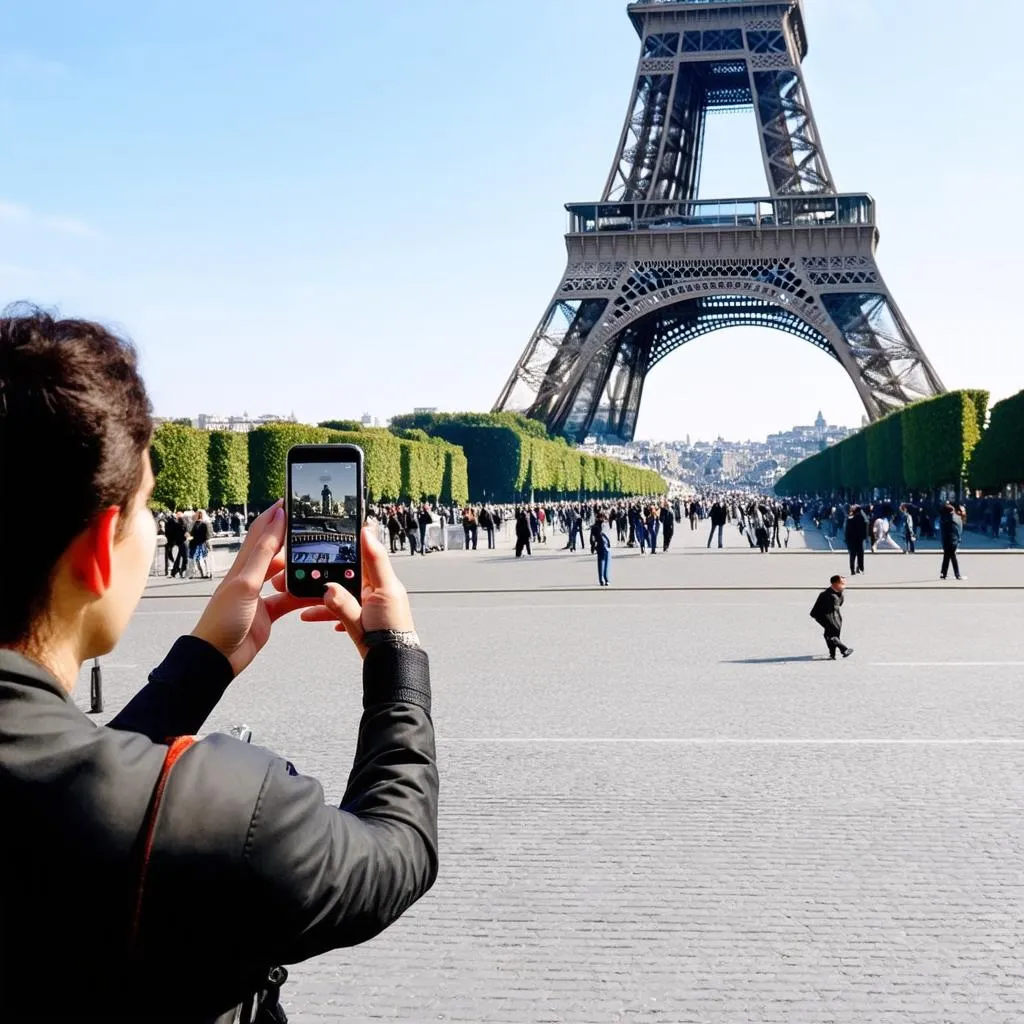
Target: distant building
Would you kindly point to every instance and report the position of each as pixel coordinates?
(238, 424)
(693, 463)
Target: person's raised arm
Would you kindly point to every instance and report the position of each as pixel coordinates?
(186, 686)
(338, 876)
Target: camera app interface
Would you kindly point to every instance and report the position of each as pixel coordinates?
(324, 519)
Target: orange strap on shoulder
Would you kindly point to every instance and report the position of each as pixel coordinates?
(176, 747)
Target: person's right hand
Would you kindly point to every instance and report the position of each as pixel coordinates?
(385, 604)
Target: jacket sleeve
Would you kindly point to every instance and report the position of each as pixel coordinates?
(182, 691)
(327, 877)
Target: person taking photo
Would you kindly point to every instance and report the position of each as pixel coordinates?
(135, 887)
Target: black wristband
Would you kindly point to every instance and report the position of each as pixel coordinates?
(396, 674)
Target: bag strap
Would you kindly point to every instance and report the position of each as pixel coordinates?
(175, 748)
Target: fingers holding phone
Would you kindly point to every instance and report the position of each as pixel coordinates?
(385, 603)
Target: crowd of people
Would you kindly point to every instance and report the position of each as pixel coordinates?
(188, 537)
(593, 527)
(992, 517)
(877, 525)
(646, 524)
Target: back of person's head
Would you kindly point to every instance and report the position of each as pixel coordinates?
(74, 426)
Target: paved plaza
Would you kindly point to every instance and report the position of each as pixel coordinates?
(659, 802)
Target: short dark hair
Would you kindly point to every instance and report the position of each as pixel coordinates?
(75, 421)
(836, 579)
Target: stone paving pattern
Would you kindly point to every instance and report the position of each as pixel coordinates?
(661, 805)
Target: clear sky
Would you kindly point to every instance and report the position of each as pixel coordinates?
(332, 208)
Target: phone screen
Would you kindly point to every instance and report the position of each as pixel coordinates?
(325, 513)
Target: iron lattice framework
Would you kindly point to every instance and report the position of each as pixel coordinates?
(652, 266)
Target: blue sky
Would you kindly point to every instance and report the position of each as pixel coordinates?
(335, 207)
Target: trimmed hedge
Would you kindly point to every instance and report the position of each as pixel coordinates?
(228, 470)
(853, 461)
(925, 446)
(423, 465)
(348, 426)
(885, 452)
(998, 459)
(508, 461)
(491, 453)
(268, 458)
(428, 421)
(939, 437)
(455, 483)
(180, 457)
(396, 468)
(383, 460)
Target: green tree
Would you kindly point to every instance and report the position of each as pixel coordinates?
(885, 453)
(268, 458)
(998, 459)
(228, 468)
(382, 455)
(939, 437)
(180, 456)
(349, 426)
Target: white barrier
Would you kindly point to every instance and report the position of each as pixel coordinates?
(435, 536)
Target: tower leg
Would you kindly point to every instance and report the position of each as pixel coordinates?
(879, 342)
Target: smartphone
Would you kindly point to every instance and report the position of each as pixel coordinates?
(325, 509)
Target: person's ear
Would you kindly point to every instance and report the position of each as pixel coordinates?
(92, 554)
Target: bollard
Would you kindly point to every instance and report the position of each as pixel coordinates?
(96, 688)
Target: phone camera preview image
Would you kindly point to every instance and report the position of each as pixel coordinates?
(324, 521)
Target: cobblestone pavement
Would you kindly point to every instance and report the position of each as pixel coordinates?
(661, 805)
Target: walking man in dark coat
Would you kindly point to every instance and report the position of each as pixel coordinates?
(523, 534)
(412, 528)
(827, 612)
(951, 527)
(719, 515)
(174, 538)
(668, 525)
(856, 535)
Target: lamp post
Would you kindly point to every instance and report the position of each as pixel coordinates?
(96, 688)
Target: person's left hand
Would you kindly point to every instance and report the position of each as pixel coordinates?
(237, 620)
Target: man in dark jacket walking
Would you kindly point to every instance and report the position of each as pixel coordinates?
(522, 534)
(425, 520)
(486, 520)
(827, 612)
(407, 519)
(951, 528)
(174, 552)
(668, 525)
(719, 515)
(856, 536)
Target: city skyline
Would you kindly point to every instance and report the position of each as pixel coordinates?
(243, 422)
(209, 214)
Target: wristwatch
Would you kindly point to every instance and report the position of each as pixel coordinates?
(403, 638)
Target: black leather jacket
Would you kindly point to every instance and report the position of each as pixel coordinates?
(249, 867)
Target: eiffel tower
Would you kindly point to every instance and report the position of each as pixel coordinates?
(652, 267)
